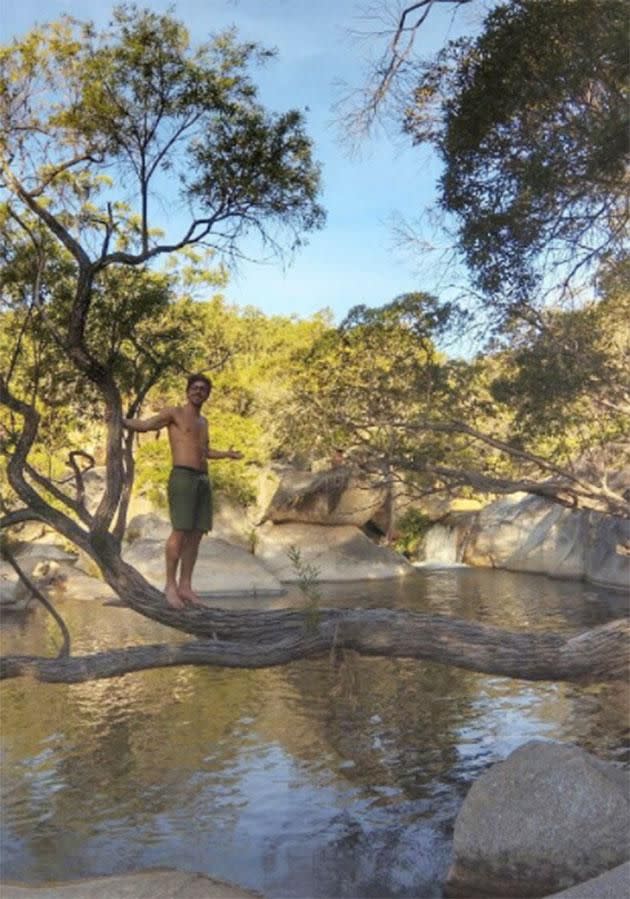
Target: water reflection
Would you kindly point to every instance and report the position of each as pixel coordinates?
(312, 780)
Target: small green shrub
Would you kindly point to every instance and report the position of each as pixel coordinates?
(412, 528)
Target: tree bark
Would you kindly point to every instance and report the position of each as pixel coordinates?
(266, 639)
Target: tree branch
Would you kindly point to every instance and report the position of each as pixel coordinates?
(48, 218)
(64, 652)
(599, 654)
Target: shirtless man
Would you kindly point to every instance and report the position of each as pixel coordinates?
(189, 488)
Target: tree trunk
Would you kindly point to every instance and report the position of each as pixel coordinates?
(265, 639)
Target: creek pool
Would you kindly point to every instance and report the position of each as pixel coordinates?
(307, 781)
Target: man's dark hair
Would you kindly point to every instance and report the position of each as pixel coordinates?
(193, 379)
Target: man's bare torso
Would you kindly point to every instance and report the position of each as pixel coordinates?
(188, 436)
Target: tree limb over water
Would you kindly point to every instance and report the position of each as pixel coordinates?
(267, 639)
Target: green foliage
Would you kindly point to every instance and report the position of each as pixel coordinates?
(364, 381)
(308, 582)
(153, 466)
(137, 102)
(411, 531)
(567, 381)
(95, 124)
(531, 120)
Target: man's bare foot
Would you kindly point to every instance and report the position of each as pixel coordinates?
(173, 599)
(188, 595)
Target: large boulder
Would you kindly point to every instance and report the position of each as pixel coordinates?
(337, 496)
(222, 569)
(94, 484)
(529, 533)
(549, 816)
(607, 553)
(338, 553)
(150, 526)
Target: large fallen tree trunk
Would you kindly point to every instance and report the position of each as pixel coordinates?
(264, 639)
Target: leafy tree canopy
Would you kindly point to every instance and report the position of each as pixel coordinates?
(92, 120)
(531, 120)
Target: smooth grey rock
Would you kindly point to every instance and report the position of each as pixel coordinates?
(527, 533)
(333, 497)
(149, 526)
(14, 594)
(8, 588)
(614, 884)
(231, 522)
(221, 569)
(338, 553)
(73, 583)
(607, 553)
(94, 483)
(49, 552)
(157, 884)
(549, 816)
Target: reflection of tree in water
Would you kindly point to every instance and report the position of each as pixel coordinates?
(599, 719)
(393, 719)
(401, 858)
(106, 758)
(127, 744)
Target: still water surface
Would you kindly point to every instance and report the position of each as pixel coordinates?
(311, 780)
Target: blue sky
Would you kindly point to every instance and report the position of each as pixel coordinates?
(354, 259)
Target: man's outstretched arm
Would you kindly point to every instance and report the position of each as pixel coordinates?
(224, 454)
(155, 423)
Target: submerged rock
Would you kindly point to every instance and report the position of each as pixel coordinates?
(156, 884)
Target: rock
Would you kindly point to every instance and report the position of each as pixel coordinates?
(155, 884)
(333, 497)
(549, 816)
(73, 583)
(613, 884)
(529, 533)
(233, 522)
(94, 484)
(230, 523)
(149, 526)
(338, 553)
(222, 569)
(8, 589)
(607, 553)
(50, 552)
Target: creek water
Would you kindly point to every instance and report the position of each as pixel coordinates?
(316, 779)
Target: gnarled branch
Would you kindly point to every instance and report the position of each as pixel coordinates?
(266, 639)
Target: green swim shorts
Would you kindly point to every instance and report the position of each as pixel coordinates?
(190, 499)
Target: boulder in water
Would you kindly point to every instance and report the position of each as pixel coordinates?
(338, 553)
(549, 816)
